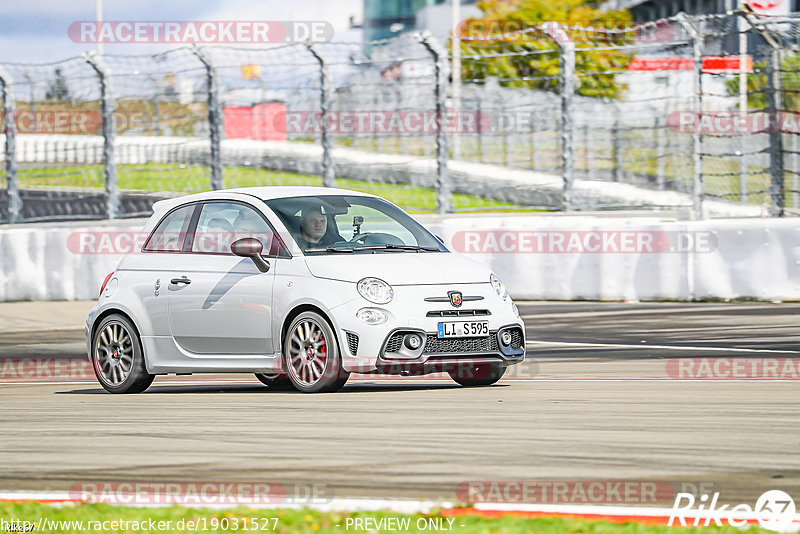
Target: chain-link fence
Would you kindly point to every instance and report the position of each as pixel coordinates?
(686, 113)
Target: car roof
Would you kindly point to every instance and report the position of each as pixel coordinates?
(263, 193)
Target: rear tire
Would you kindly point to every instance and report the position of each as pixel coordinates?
(312, 358)
(277, 382)
(117, 356)
(478, 375)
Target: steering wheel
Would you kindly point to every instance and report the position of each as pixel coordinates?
(360, 239)
(376, 238)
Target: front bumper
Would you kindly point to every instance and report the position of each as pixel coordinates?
(382, 348)
(87, 332)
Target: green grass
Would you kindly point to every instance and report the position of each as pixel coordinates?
(189, 179)
(307, 521)
(720, 173)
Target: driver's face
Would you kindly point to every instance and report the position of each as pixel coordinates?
(314, 225)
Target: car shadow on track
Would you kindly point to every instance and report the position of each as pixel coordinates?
(247, 388)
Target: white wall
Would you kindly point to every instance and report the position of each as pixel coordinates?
(734, 258)
(750, 258)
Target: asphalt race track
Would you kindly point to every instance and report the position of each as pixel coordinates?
(599, 398)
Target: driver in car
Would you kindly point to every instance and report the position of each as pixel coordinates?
(313, 225)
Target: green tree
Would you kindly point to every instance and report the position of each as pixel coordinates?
(757, 84)
(597, 68)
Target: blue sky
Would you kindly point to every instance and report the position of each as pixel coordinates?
(36, 30)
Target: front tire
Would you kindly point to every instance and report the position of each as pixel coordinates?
(313, 361)
(478, 375)
(117, 356)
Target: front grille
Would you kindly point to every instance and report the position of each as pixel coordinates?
(465, 345)
(352, 342)
(395, 342)
(458, 313)
(516, 338)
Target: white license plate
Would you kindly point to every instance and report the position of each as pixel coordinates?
(464, 329)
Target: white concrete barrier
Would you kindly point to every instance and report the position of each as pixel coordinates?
(547, 256)
(612, 258)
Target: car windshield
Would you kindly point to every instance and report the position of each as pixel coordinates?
(338, 224)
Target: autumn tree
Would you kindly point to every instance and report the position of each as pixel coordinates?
(509, 44)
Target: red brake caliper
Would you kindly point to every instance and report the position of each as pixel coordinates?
(322, 348)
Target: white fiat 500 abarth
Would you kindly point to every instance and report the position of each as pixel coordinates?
(301, 286)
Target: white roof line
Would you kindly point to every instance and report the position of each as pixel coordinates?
(262, 192)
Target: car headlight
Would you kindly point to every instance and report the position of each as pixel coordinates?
(498, 286)
(375, 290)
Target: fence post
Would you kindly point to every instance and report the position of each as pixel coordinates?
(566, 60)
(534, 145)
(743, 169)
(697, 140)
(10, 130)
(661, 152)
(443, 185)
(107, 106)
(328, 176)
(214, 119)
(795, 170)
(401, 137)
(586, 148)
(480, 139)
(619, 157)
(777, 190)
(774, 107)
(507, 160)
(590, 144)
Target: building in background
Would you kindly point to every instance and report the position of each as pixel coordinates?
(656, 9)
(384, 19)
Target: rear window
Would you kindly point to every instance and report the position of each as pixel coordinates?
(171, 231)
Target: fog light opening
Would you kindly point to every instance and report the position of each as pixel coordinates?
(372, 316)
(505, 338)
(413, 341)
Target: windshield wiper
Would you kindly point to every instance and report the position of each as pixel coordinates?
(415, 248)
(328, 249)
(372, 247)
(369, 247)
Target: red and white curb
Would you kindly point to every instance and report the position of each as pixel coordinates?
(613, 514)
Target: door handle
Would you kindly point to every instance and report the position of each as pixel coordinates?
(183, 280)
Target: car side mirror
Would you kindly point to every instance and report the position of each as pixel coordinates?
(250, 247)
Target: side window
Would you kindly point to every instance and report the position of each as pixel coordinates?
(168, 235)
(222, 223)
